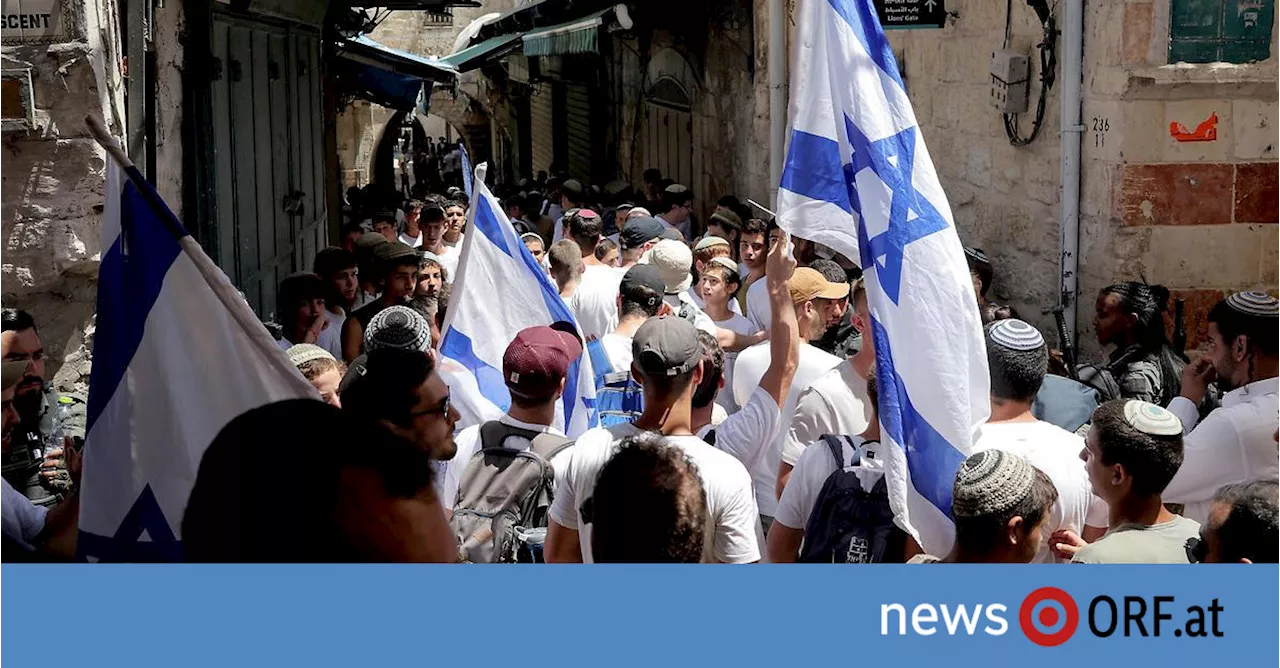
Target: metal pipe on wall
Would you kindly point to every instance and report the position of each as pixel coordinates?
(1072, 134)
(777, 94)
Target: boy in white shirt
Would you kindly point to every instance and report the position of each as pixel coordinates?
(1018, 360)
(667, 359)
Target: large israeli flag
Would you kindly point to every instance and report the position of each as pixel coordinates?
(858, 178)
(500, 290)
(177, 355)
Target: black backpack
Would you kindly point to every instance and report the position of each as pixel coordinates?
(848, 524)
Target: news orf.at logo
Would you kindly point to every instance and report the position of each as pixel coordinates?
(1049, 617)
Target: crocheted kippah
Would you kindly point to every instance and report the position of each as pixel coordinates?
(1151, 419)
(991, 482)
(1016, 335)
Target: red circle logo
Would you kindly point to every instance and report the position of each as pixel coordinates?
(1048, 616)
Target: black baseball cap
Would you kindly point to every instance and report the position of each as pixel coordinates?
(639, 231)
(642, 276)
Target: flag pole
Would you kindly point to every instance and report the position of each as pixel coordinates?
(112, 147)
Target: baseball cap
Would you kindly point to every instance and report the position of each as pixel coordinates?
(12, 372)
(642, 276)
(392, 251)
(537, 359)
(639, 231)
(368, 242)
(673, 260)
(806, 284)
(666, 346)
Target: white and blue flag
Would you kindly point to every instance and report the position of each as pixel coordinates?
(500, 290)
(177, 354)
(858, 178)
(466, 169)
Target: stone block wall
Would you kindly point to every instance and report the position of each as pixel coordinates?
(52, 189)
(1196, 216)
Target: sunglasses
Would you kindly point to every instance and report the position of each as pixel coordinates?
(441, 408)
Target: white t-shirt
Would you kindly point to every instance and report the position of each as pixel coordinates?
(738, 324)
(618, 349)
(759, 311)
(411, 242)
(595, 302)
(23, 520)
(745, 433)
(1056, 452)
(449, 260)
(696, 298)
(456, 244)
(811, 472)
(468, 442)
(749, 368)
(731, 510)
(700, 319)
(836, 403)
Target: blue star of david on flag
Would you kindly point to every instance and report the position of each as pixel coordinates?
(858, 178)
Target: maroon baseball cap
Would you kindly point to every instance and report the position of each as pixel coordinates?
(538, 359)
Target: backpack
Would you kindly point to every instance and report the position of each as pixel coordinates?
(504, 495)
(849, 524)
(619, 398)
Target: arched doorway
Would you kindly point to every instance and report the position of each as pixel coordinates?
(403, 139)
(669, 130)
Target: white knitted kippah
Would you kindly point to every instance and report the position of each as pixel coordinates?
(1015, 334)
(1151, 419)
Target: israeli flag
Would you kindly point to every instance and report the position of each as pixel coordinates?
(177, 355)
(858, 178)
(500, 290)
(466, 169)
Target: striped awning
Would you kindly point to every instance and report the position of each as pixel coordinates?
(578, 36)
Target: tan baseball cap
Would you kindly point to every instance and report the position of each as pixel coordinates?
(12, 372)
(806, 284)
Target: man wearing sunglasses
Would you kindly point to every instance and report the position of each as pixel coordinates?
(401, 389)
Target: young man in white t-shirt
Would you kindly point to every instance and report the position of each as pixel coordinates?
(667, 361)
(1018, 360)
(836, 403)
(534, 367)
(594, 300)
(814, 465)
(433, 226)
(718, 282)
(745, 433)
(807, 289)
(753, 246)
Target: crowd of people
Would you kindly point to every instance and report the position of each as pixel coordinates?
(736, 390)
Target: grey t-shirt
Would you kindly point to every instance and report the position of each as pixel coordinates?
(1139, 544)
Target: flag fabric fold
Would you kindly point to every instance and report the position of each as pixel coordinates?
(858, 178)
(501, 289)
(177, 354)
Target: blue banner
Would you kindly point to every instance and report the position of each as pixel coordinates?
(928, 615)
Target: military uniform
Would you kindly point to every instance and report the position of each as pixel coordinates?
(21, 465)
(1131, 374)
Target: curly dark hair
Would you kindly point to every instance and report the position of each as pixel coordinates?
(712, 370)
(648, 506)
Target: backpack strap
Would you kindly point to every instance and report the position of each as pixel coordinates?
(547, 445)
(836, 444)
(494, 434)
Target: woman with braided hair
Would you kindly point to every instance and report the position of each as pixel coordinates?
(1143, 365)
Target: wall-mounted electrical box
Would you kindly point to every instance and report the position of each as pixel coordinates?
(1010, 81)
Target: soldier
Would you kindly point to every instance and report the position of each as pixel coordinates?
(1143, 365)
(34, 464)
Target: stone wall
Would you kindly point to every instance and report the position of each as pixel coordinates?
(361, 124)
(51, 188)
(1198, 217)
